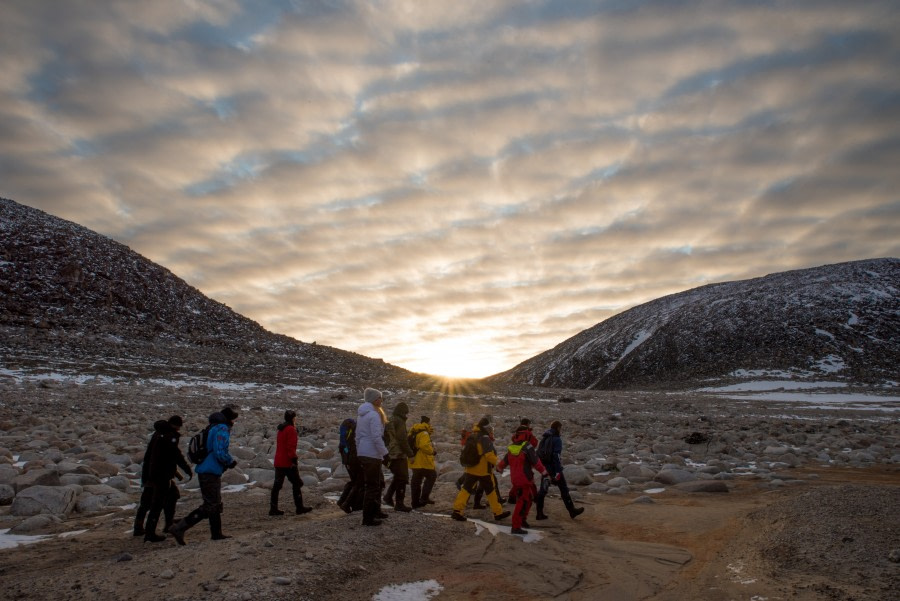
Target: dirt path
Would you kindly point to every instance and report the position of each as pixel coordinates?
(680, 546)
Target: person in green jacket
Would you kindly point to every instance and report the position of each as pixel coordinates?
(398, 453)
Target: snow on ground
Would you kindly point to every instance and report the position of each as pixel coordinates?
(533, 535)
(761, 385)
(411, 591)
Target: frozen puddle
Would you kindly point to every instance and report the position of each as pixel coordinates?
(412, 591)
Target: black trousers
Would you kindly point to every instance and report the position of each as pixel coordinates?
(563, 492)
(293, 476)
(372, 480)
(421, 492)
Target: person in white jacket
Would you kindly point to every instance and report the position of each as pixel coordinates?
(371, 450)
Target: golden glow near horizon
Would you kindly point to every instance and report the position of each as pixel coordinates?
(456, 187)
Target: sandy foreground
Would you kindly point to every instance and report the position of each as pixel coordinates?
(830, 533)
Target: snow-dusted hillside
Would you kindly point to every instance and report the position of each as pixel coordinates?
(832, 322)
(71, 297)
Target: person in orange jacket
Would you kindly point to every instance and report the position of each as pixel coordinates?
(522, 460)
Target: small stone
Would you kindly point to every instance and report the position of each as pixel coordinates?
(281, 580)
(894, 556)
(124, 557)
(211, 587)
(309, 555)
(167, 574)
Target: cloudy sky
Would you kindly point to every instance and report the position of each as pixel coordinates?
(457, 186)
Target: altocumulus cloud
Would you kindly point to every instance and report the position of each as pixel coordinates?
(457, 186)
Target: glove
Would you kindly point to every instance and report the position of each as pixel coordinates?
(233, 464)
(558, 477)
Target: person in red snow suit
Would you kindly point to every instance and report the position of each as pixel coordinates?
(522, 460)
(286, 466)
(533, 441)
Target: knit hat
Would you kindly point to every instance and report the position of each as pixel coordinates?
(484, 421)
(401, 410)
(371, 395)
(426, 419)
(175, 421)
(525, 421)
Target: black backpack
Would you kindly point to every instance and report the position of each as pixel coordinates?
(347, 435)
(545, 450)
(469, 456)
(411, 439)
(197, 450)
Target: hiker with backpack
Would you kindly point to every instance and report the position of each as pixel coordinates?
(422, 465)
(209, 473)
(371, 451)
(286, 466)
(398, 453)
(352, 495)
(522, 460)
(160, 466)
(478, 457)
(549, 452)
(533, 441)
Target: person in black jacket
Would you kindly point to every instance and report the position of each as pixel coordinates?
(159, 470)
(553, 463)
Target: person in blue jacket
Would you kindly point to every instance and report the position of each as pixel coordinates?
(209, 473)
(553, 463)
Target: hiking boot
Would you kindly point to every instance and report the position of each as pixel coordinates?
(576, 512)
(403, 508)
(276, 512)
(154, 538)
(302, 510)
(458, 516)
(219, 537)
(518, 531)
(427, 502)
(139, 532)
(178, 534)
(541, 515)
(346, 507)
(502, 516)
(372, 522)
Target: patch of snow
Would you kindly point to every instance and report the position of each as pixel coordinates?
(830, 364)
(762, 385)
(411, 591)
(533, 535)
(824, 333)
(856, 402)
(11, 541)
(654, 491)
(854, 320)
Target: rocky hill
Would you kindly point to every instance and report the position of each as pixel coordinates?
(836, 322)
(71, 298)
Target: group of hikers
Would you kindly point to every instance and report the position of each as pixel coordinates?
(367, 443)
(373, 440)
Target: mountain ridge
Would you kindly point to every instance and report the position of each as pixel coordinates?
(841, 319)
(69, 292)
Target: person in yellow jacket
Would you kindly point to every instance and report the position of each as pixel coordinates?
(424, 473)
(480, 475)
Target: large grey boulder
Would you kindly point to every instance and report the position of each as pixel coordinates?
(702, 486)
(36, 477)
(8, 474)
(261, 476)
(577, 475)
(34, 500)
(79, 479)
(7, 494)
(674, 476)
(33, 524)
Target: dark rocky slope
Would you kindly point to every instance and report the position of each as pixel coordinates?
(73, 299)
(836, 322)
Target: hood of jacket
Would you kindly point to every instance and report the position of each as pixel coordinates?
(421, 428)
(365, 409)
(161, 426)
(218, 418)
(401, 410)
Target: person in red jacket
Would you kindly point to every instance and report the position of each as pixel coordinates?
(533, 441)
(286, 465)
(522, 460)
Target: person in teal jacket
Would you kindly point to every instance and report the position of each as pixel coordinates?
(209, 473)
